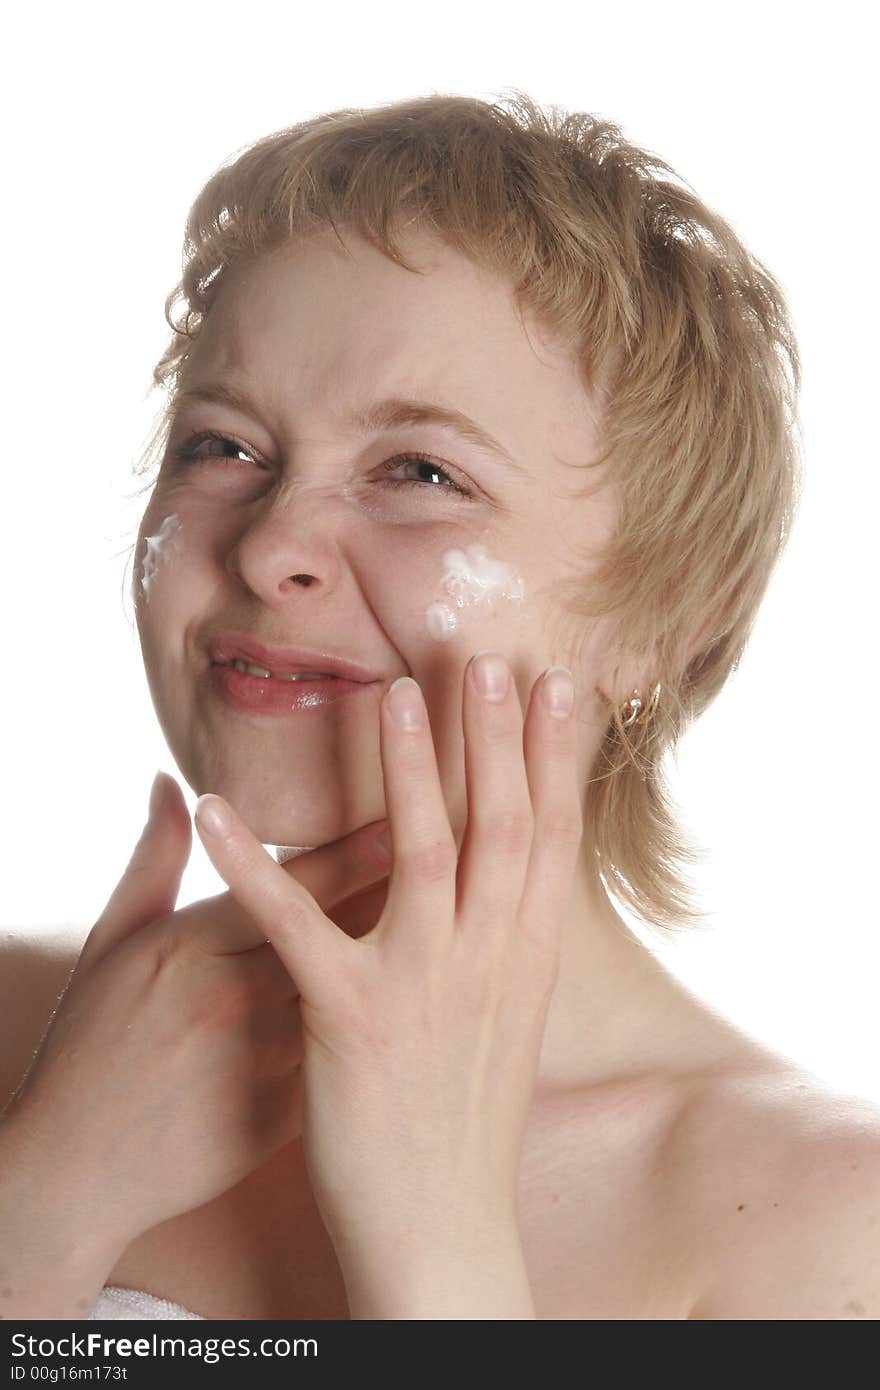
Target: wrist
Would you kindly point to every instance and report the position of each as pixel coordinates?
(54, 1195)
(478, 1273)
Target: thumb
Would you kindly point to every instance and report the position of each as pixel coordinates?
(149, 887)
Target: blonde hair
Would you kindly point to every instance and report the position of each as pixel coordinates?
(684, 337)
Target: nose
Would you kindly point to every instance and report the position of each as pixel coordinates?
(288, 542)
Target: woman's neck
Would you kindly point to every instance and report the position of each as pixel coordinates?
(617, 1013)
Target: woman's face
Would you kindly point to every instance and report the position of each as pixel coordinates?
(313, 336)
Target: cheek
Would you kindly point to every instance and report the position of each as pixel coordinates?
(159, 553)
(472, 585)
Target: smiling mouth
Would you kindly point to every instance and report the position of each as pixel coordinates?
(262, 674)
(253, 690)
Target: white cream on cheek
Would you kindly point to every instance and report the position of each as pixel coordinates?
(471, 577)
(165, 542)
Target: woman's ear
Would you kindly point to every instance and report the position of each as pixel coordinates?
(616, 690)
(616, 685)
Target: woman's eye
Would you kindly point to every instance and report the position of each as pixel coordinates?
(428, 464)
(188, 452)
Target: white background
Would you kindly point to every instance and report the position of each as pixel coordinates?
(114, 118)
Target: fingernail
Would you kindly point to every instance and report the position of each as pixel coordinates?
(491, 675)
(157, 795)
(406, 704)
(211, 815)
(557, 689)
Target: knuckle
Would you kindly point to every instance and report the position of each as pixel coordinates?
(139, 867)
(431, 862)
(179, 968)
(562, 825)
(172, 953)
(542, 964)
(512, 829)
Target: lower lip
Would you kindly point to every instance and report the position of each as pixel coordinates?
(259, 695)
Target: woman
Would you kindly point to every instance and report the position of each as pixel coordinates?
(464, 394)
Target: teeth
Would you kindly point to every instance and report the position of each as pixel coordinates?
(251, 670)
(245, 667)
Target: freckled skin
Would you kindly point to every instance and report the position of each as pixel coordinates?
(317, 334)
(294, 534)
(854, 1306)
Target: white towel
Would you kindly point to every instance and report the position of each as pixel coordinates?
(118, 1303)
(285, 852)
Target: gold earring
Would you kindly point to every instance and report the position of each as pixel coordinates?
(633, 711)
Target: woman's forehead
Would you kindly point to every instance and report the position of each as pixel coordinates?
(294, 329)
(447, 298)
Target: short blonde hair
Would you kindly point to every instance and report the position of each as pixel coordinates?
(684, 337)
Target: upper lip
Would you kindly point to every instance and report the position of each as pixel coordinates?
(286, 661)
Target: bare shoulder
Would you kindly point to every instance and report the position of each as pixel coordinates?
(35, 966)
(780, 1182)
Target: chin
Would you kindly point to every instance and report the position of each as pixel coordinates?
(258, 806)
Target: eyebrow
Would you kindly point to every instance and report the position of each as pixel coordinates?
(394, 413)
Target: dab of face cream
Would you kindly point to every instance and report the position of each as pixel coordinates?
(166, 542)
(470, 577)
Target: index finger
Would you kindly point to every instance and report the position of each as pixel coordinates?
(330, 874)
(308, 942)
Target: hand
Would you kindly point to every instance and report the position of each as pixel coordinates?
(171, 1066)
(421, 1038)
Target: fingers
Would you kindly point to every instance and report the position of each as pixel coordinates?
(334, 872)
(329, 874)
(149, 887)
(524, 825)
(421, 892)
(551, 749)
(262, 970)
(524, 818)
(500, 822)
(219, 926)
(307, 942)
